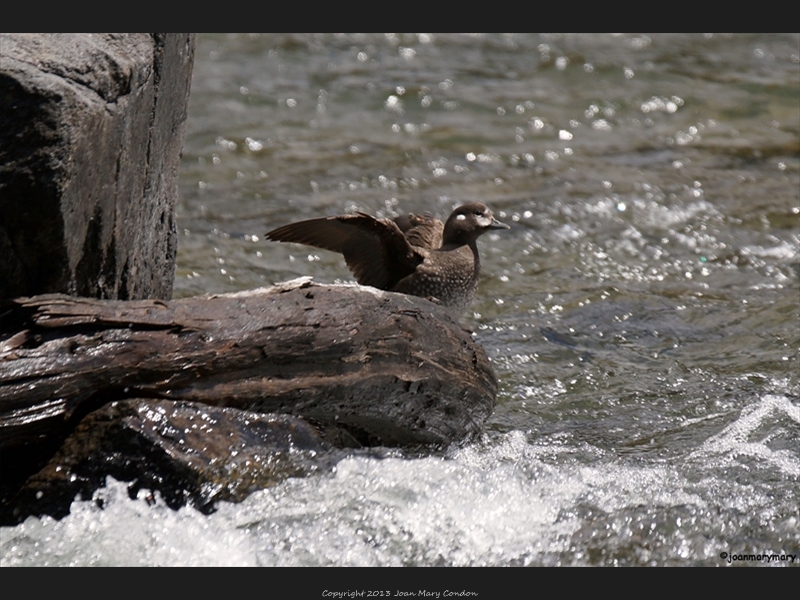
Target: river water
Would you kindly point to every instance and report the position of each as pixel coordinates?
(642, 313)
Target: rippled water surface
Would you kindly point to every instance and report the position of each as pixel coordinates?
(642, 314)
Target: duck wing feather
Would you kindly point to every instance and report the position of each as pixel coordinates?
(375, 250)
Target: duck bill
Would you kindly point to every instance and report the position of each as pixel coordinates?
(495, 224)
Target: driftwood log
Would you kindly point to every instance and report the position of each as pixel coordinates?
(391, 369)
(365, 367)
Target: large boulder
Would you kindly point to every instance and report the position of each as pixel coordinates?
(91, 131)
(363, 367)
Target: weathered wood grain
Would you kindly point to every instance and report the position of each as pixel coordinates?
(387, 368)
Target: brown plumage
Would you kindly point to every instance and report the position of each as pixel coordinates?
(422, 231)
(412, 254)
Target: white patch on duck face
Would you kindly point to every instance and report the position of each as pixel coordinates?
(461, 217)
(484, 221)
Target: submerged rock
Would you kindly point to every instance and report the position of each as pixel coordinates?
(187, 452)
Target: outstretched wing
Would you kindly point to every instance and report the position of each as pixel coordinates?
(375, 250)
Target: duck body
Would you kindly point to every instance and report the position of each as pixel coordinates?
(412, 254)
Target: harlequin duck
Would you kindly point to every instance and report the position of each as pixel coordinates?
(411, 254)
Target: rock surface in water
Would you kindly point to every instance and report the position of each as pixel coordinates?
(187, 452)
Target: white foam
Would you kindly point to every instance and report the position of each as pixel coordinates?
(742, 437)
(503, 501)
(125, 532)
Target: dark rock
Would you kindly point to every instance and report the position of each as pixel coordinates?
(188, 452)
(91, 131)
